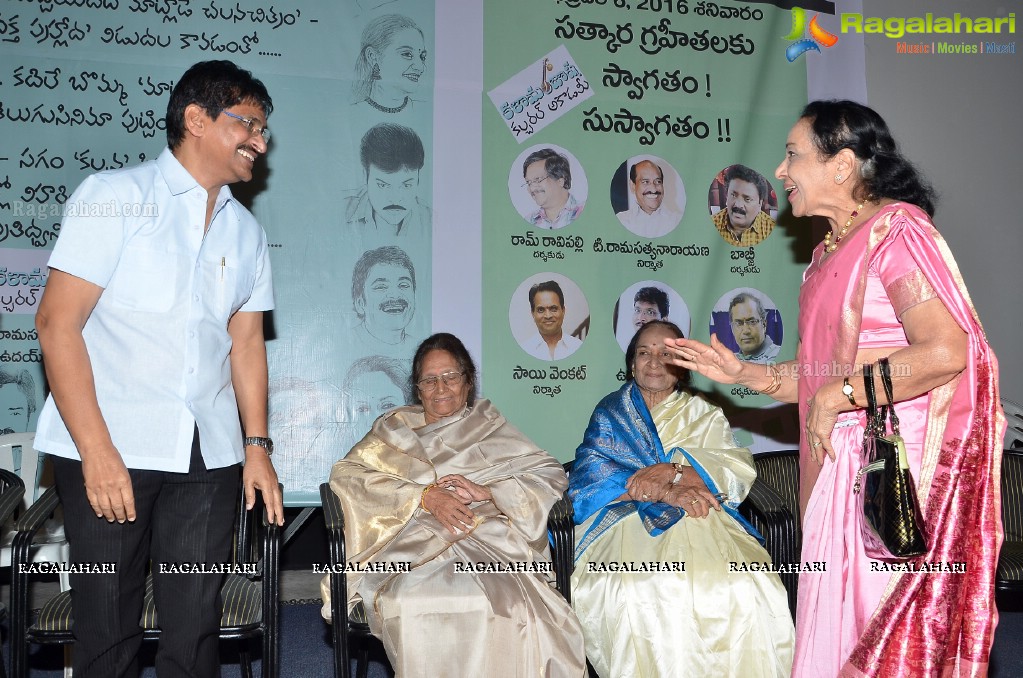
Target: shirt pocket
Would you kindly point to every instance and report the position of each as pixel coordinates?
(231, 285)
(144, 280)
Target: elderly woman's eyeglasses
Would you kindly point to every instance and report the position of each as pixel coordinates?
(250, 123)
(427, 384)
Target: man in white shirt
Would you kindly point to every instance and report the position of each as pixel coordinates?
(152, 334)
(547, 304)
(649, 216)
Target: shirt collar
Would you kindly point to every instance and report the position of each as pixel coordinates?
(180, 181)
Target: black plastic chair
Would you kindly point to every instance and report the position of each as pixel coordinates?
(355, 625)
(12, 489)
(251, 605)
(1009, 579)
(772, 506)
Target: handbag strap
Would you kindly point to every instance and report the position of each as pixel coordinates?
(886, 382)
(868, 387)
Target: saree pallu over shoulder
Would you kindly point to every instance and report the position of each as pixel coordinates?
(935, 624)
(381, 480)
(622, 438)
(704, 613)
(481, 600)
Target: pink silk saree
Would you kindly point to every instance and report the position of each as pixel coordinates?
(860, 618)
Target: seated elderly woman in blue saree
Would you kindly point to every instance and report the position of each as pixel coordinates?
(655, 486)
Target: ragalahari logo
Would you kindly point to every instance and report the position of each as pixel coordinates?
(818, 36)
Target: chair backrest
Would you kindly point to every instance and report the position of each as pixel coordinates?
(1014, 432)
(18, 454)
(780, 470)
(1012, 495)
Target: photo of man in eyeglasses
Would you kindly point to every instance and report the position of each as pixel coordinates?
(548, 178)
(748, 321)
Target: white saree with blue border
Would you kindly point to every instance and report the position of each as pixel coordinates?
(659, 592)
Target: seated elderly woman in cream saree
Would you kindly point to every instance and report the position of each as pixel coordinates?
(656, 483)
(449, 486)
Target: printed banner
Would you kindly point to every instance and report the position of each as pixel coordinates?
(344, 192)
(654, 199)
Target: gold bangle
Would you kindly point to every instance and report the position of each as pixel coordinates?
(422, 499)
(775, 380)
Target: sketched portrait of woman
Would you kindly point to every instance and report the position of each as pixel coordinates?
(391, 62)
(373, 385)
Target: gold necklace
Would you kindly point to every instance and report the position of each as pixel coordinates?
(829, 246)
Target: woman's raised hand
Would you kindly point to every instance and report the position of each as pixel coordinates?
(716, 361)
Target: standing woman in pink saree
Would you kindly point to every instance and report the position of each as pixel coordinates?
(882, 284)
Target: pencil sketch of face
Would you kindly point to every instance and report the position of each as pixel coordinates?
(392, 158)
(374, 385)
(17, 401)
(384, 293)
(392, 60)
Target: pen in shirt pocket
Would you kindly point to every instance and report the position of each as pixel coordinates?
(223, 263)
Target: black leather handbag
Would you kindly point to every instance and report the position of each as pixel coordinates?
(890, 521)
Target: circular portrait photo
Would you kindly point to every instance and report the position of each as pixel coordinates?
(547, 186)
(647, 196)
(643, 302)
(549, 316)
(743, 206)
(748, 322)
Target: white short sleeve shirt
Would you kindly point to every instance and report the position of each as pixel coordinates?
(158, 337)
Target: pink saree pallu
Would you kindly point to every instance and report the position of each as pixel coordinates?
(928, 616)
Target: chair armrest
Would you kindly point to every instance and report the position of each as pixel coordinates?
(767, 510)
(561, 528)
(272, 534)
(27, 526)
(10, 500)
(271, 586)
(769, 513)
(334, 519)
(37, 514)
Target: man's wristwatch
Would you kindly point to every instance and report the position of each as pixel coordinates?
(847, 389)
(265, 443)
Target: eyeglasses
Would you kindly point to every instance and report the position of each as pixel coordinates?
(251, 124)
(427, 384)
(747, 322)
(537, 181)
(652, 313)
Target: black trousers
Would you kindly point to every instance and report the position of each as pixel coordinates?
(180, 518)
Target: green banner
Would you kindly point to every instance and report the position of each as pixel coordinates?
(629, 153)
